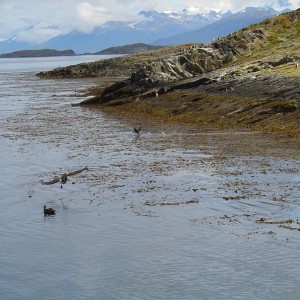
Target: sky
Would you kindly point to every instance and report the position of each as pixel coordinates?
(38, 20)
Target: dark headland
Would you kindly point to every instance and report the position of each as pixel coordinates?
(37, 53)
(128, 49)
(247, 79)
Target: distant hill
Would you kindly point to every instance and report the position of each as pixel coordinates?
(129, 49)
(37, 53)
(225, 26)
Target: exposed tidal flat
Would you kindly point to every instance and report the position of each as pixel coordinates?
(176, 212)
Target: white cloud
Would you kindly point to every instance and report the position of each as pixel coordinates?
(38, 33)
(33, 17)
(90, 16)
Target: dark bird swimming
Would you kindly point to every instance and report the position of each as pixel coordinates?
(48, 211)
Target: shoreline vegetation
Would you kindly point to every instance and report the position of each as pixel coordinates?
(246, 80)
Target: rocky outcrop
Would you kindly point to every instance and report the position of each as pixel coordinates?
(198, 60)
(113, 67)
(240, 42)
(192, 61)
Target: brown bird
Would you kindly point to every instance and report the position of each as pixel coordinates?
(63, 179)
(48, 211)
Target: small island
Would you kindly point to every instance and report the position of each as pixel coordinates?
(128, 49)
(38, 53)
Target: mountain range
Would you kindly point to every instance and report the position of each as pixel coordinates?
(225, 26)
(156, 28)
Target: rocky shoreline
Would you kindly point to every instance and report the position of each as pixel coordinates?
(263, 102)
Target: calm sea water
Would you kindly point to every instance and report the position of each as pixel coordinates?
(124, 228)
(38, 64)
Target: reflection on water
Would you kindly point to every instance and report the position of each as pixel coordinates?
(169, 215)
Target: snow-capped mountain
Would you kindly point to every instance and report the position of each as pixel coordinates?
(222, 27)
(181, 21)
(152, 25)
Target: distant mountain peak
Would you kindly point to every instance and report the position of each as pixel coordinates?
(224, 26)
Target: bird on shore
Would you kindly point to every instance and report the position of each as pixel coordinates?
(63, 179)
(137, 130)
(48, 211)
(229, 89)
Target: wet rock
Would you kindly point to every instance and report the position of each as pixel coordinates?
(116, 86)
(284, 108)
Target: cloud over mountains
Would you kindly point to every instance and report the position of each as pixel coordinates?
(39, 20)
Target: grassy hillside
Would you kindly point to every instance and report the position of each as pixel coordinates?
(283, 40)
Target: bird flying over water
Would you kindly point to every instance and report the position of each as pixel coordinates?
(137, 131)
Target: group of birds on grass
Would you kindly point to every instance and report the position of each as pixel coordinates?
(64, 178)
